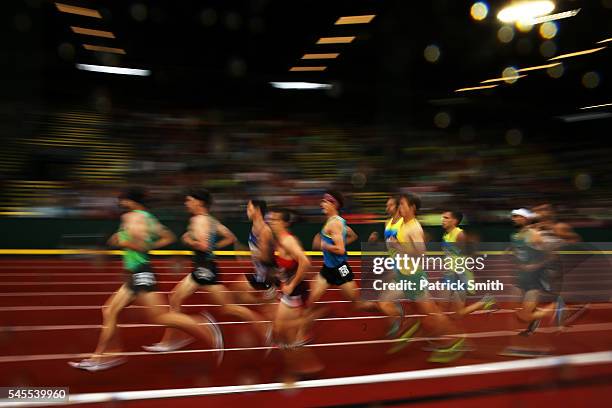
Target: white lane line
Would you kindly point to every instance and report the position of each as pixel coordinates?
(12, 309)
(44, 357)
(582, 359)
(595, 327)
(86, 307)
(481, 278)
(327, 319)
(44, 283)
(12, 329)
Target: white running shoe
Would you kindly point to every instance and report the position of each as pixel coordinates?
(217, 336)
(165, 347)
(93, 366)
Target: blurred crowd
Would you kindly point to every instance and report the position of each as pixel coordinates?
(290, 162)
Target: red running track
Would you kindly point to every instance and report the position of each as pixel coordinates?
(50, 314)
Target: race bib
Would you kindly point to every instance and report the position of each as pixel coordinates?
(343, 270)
(204, 273)
(144, 279)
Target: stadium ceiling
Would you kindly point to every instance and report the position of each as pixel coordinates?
(406, 59)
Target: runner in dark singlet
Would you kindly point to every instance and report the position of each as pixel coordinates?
(201, 237)
(140, 232)
(261, 246)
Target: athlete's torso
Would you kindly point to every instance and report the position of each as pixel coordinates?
(211, 236)
(133, 259)
(330, 259)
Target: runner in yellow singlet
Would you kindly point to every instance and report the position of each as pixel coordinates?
(411, 241)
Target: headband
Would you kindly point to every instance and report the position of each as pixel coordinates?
(332, 199)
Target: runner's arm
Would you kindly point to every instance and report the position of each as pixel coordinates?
(228, 236)
(335, 233)
(166, 237)
(351, 235)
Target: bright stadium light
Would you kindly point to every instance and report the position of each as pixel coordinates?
(300, 85)
(113, 70)
(525, 10)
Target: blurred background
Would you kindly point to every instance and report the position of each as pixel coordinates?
(391, 114)
(477, 106)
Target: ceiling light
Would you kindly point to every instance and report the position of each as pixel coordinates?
(538, 67)
(321, 56)
(297, 69)
(335, 40)
(505, 78)
(103, 49)
(552, 17)
(474, 88)
(575, 54)
(355, 19)
(89, 31)
(300, 85)
(525, 10)
(597, 106)
(65, 8)
(113, 70)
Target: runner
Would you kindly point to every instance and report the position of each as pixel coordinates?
(291, 316)
(140, 232)
(261, 246)
(411, 241)
(201, 236)
(453, 242)
(392, 308)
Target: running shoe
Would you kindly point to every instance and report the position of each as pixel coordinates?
(397, 322)
(404, 339)
(531, 329)
(559, 310)
(93, 366)
(165, 347)
(217, 336)
(448, 354)
(489, 302)
(523, 352)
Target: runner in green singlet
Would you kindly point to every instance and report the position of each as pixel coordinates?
(140, 232)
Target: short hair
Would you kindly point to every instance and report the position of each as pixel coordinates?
(337, 196)
(202, 195)
(136, 194)
(261, 205)
(412, 199)
(456, 215)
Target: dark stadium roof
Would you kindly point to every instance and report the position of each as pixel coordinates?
(222, 54)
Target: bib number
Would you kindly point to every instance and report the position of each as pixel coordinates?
(144, 279)
(343, 270)
(204, 273)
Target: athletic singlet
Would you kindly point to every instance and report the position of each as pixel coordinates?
(332, 260)
(449, 239)
(286, 267)
(133, 259)
(524, 251)
(200, 257)
(261, 269)
(401, 239)
(391, 228)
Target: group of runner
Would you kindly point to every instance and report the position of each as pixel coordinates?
(280, 265)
